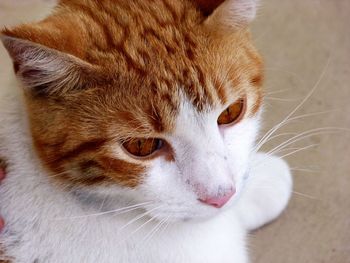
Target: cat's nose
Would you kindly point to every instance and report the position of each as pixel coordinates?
(219, 200)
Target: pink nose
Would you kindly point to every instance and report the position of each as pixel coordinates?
(219, 201)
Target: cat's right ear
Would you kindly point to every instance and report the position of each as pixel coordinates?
(228, 15)
(45, 71)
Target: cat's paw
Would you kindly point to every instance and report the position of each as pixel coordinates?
(267, 191)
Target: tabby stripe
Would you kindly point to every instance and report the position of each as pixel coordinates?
(84, 147)
(125, 173)
(96, 19)
(257, 80)
(171, 10)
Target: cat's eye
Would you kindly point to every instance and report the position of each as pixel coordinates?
(233, 113)
(142, 147)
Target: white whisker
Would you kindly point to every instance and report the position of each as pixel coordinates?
(265, 139)
(153, 231)
(123, 209)
(141, 226)
(166, 225)
(278, 126)
(299, 150)
(276, 92)
(306, 134)
(305, 195)
(304, 170)
(102, 204)
(278, 135)
(139, 217)
(279, 99)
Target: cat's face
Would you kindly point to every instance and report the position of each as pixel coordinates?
(148, 102)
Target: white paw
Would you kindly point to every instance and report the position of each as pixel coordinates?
(267, 192)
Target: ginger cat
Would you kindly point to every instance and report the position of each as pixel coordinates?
(132, 135)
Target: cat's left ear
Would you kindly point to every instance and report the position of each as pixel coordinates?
(45, 71)
(229, 14)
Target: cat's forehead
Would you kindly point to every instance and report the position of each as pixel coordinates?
(131, 33)
(155, 45)
(159, 49)
(149, 53)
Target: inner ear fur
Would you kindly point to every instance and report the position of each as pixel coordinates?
(46, 71)
(208, 6)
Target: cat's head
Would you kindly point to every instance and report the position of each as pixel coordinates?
(145, 100)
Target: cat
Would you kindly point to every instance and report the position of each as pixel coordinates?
(132, 135)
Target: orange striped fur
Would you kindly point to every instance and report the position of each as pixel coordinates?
(129, 61)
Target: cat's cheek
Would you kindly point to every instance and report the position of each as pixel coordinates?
(162, 185)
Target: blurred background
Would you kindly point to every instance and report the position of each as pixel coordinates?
(306, 45)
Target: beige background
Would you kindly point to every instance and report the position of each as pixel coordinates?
(299, 39)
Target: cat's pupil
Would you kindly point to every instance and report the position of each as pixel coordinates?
(142, 147)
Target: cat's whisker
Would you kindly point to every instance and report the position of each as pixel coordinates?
(141, 226)
(287, 149)
(139, 217)
(123, 209)
(102, 204)
(299, 150)
(305, 195)
(306, 134)
(58, 174)
(276, 92)
(304, 170)
(167, 223)
(148, 237)
(160, 228)
(312, 114)
(278, 126)
(136, 230)
(267, 187)
(279, 99)
(276, 136)
(265, 138)
(298, 137)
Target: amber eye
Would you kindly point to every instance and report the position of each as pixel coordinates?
(142, 147)
(232, 114)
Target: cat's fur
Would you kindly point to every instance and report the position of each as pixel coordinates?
(97, 72)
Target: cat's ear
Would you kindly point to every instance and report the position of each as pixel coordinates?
(45, 71)
(229, 14)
